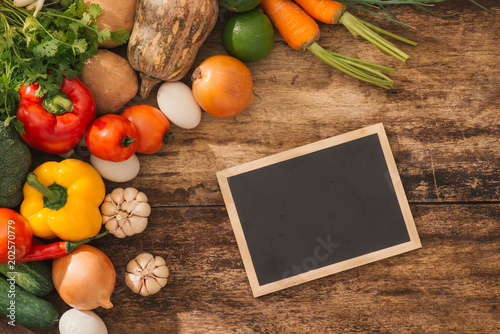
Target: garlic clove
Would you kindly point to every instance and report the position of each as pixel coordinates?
(108, 198)
(105, 219)
(138, 224)
(129, 206)
(134, 267)
(143, 259)
(134, 282)
(161, 281)
(119, 233)
(108, 208)
(112, 224)
(142, 209)
(160, 261)
(127, 227)
(144, 291)
(161, 272)
(141, 197)
(129, 194)
(150, 266)
(152, 285)
(117, 195)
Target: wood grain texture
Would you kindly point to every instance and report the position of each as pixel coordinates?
(441, 117)
(448, 286)
(442, 121)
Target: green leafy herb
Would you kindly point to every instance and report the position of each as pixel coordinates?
(45, 48)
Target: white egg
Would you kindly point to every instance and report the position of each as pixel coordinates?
(74, 321)
(117, 171)
(176, 101)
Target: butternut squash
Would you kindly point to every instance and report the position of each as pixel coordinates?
(166, 37)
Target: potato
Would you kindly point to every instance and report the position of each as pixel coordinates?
(111, 80)
(116, 15)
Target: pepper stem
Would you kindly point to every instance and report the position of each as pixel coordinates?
(70, 246)
(55, 196)
(57, 103)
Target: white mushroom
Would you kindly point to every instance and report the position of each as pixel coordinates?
(125, 212)
(146, 274)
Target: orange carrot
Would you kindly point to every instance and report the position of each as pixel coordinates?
(301, 32)
(296, 27)
(325, 11)
(333, 12)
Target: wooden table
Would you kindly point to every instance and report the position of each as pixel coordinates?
(442, 120)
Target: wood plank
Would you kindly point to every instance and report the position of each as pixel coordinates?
(441, 117)
(442, 123)
(448, 286)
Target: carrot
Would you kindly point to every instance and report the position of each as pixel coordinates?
(325, 11)
(301, 29)
(333, 12)
(301, 32)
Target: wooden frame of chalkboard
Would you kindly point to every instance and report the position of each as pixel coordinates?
(318, 209)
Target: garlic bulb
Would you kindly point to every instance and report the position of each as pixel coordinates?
(146, 274)
(125, 212)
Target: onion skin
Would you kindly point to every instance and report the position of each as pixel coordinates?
(222, 86)
(85, 278)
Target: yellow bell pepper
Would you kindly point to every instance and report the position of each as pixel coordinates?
(62, 199)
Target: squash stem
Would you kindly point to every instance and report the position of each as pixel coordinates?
(147, 84)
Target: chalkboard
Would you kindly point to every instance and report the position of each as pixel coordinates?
(318, 209)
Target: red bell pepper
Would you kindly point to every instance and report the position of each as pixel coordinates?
(56, 122)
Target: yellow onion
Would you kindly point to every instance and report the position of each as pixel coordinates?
(84, 278)
(222, 86)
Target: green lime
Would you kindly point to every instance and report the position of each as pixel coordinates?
(248, 36)
(240, 5)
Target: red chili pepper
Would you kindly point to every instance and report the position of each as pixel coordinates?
(56, 122)
(36, 242)
(54, 250)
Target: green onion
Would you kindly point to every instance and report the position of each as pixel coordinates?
(359, 69)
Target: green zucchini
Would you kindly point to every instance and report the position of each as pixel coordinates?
(33, 276)
(24, 308)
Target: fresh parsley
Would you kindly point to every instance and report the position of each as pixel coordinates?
(43, 49)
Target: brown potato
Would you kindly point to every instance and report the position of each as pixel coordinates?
(111, 80)
(116, 15)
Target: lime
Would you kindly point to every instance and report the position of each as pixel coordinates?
(248, 36)
(240, 5)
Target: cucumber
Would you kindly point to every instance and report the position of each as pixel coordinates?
(24, 308)
(34, 276)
